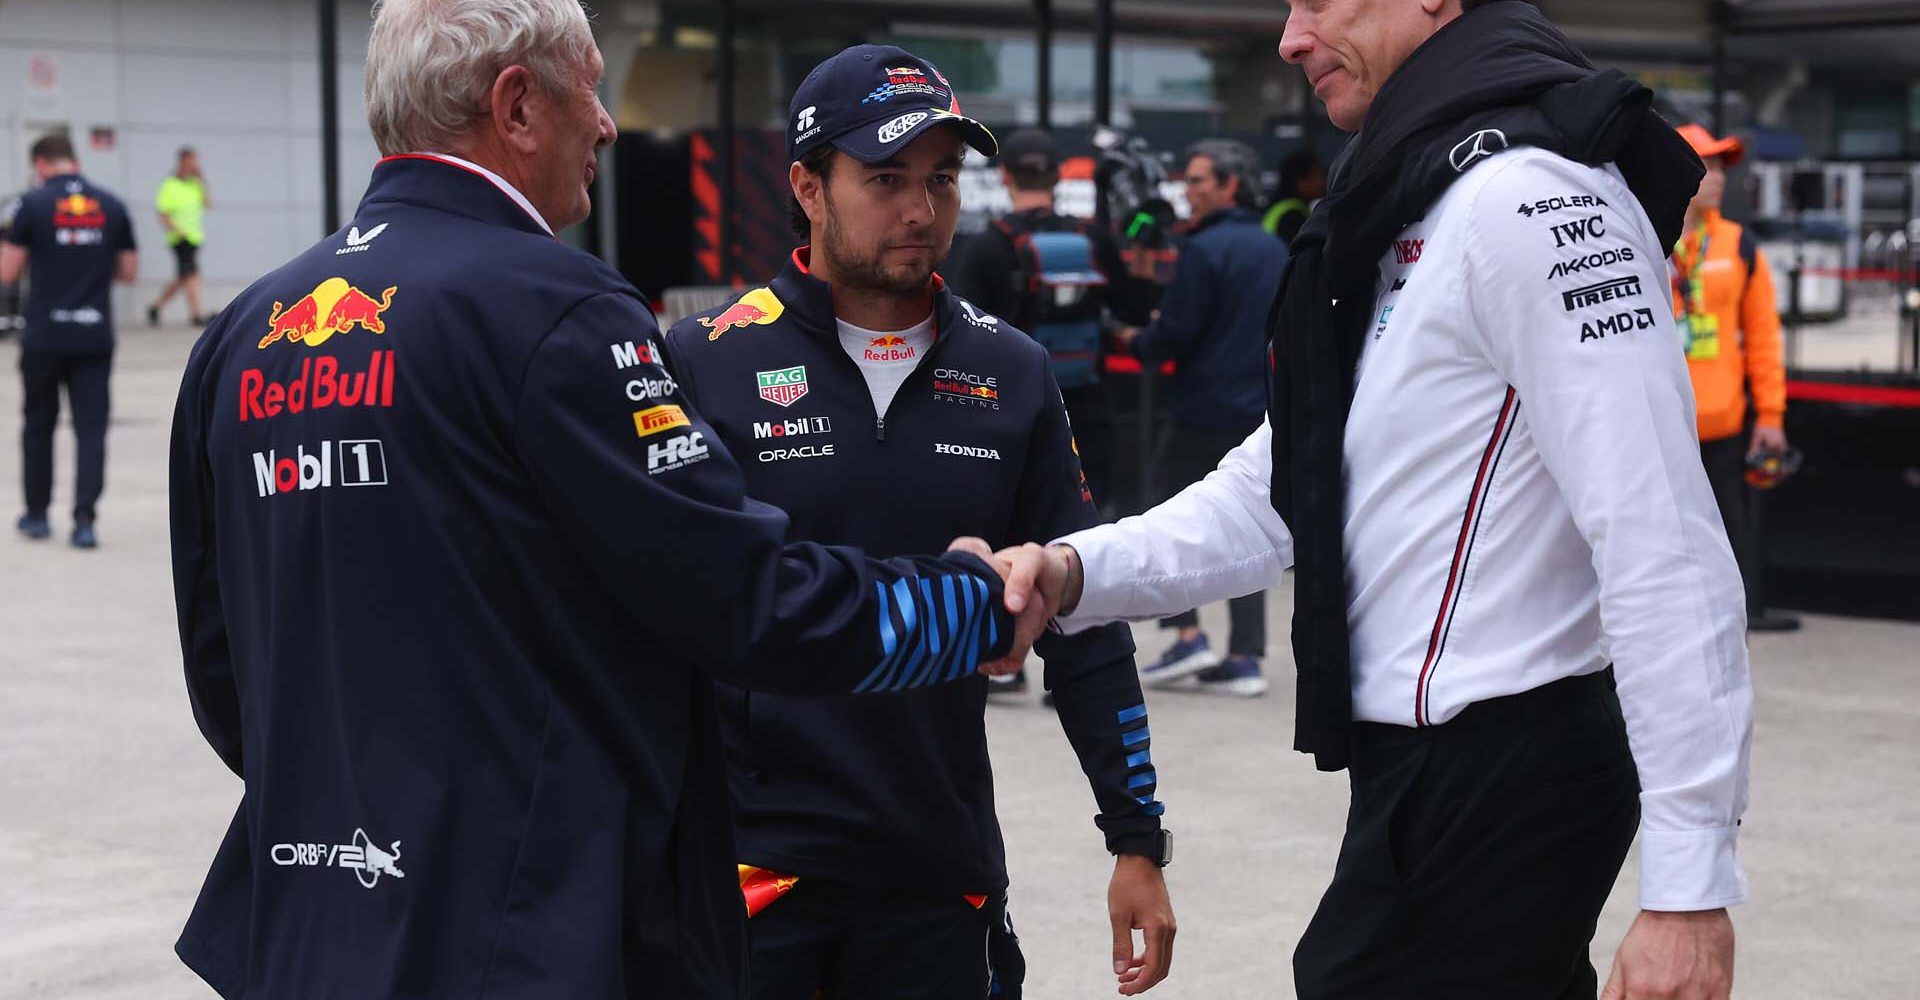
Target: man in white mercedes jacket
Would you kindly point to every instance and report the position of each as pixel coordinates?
(1544, 617)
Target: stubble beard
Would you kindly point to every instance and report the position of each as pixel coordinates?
(859, 268)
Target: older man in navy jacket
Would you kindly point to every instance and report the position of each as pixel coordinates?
(455, 560)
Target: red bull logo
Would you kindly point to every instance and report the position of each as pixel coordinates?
(320, 384)
(77, 211)
(756, 308)
(334, 306)
(888, 348)
(955, 385)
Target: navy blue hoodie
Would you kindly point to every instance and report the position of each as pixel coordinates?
(897, 793)
(1213, 322)
(453, 562)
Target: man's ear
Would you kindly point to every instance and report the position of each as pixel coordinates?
(809, 189)
(514, 102)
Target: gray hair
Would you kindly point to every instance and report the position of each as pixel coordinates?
(1232, 158)
(432, 63)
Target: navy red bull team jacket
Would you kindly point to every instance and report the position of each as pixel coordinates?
(454, 563)
(897, 792)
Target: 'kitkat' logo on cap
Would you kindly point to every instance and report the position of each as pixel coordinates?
(897, 129)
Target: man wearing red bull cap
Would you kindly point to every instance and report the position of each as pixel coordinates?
(880, 409)
(456, 560)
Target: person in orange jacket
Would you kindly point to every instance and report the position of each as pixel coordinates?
(1724, 306)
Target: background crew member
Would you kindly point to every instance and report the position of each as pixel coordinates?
(455, 561)
(74, 240)
(1212, 325)
(1000, 270)
(182, 203)
(1303, 181)
(995, 272)
(1723, 302)
(1481, 445)
(880, 409)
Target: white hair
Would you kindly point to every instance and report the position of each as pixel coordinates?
(431, 64)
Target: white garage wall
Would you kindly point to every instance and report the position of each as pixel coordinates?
(235, 79)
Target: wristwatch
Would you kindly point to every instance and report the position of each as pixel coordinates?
(1156, 847)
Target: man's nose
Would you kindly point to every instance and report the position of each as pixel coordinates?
(1295, 42)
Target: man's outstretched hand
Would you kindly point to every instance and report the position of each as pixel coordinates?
(1674, 956)
(1021, 571)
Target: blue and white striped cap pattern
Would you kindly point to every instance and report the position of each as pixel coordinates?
(933, 629)
(1137, 740)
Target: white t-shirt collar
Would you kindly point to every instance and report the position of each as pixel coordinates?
(498, 181)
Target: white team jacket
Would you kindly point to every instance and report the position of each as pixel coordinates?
(1525, 502)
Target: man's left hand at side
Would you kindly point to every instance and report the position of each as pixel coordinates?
(1674, 956)
(1137, 900)
(1768, 441)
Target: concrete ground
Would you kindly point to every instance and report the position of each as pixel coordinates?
(111, 806)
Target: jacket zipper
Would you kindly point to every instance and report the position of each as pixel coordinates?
(880, 416)
(880, 419)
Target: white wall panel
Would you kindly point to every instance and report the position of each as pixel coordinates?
(89, 22)
(193, 90)
(252, 26)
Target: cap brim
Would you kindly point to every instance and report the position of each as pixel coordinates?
(1730, 150)
(1705, 146)
(874, 141)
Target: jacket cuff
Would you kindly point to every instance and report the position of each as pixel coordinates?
(1771, 419)
(1686, 870)
(1103, 571)
(1003, 623)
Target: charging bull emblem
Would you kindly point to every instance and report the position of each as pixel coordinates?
(756, 308)
(334, 306)
(370, 862)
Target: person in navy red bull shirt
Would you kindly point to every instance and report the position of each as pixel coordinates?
(74, 240)
(456, 560)
(882, 410)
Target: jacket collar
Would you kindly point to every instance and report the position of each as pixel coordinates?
(809, 300)
(450, 184)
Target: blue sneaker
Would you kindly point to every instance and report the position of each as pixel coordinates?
(1238, 677)
(35, 528)
(84, 538)
(1183, 659)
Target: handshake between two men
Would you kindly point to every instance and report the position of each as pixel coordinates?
(1041, 581)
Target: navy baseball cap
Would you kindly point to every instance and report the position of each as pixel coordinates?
(870, 101)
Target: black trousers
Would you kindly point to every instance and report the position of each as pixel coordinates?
(1726, 462)
(1092, 418)
(1184, 456)
(842, 942)
(85, 377)
(1478, 853)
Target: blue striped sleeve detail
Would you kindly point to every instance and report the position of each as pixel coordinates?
(929, 659)
(1153, 808)
(1142, 780)
(914, 647)
(928, 666)
(889, 640)
(1127, 715)
(1138, 758)
(1136, 737)
(967, 649)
